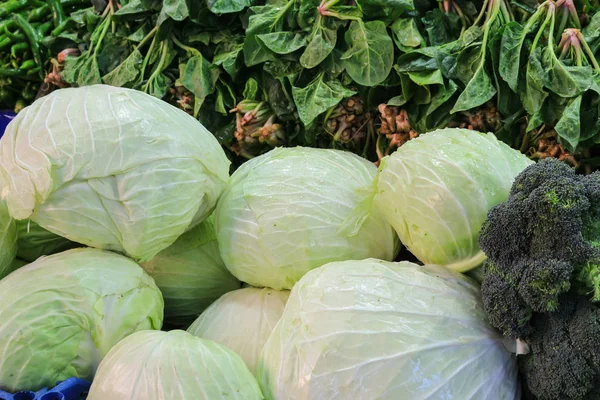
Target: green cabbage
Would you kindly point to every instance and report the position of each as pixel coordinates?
(378, 330)
(436, 191)
(33, 241)
(60, 315)
(172, 366)
(294, 209)
(8, 242)
(111, 168)
(191, 274)
(242, 320)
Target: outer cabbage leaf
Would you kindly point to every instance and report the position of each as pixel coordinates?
(111, 168)
(191, 274)
(294, 209)
(33, 241)
(8, 242)
(436, 191)
(61, 315)
(242, 320)
(172, 365)
(378, 330)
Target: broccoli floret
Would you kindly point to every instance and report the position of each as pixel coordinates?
(541, 281)
(563, 362)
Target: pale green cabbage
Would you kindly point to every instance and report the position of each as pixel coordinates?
(242, 320)
(294, 209)
(111, 168)
(436, 191)
(191, 274)
(60, 315)
(388, 331)
(172, 366)
(33, 241)
(8, 242)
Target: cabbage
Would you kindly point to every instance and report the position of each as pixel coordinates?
(33, 241)
(378, 330)
(191, 274)
(242, 320)
(294, 209)
(436, 191)
(60, 315)
(172, 366)
(8, 242)
(111, 168)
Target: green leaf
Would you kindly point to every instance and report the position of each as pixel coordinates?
(175, 9)
(406, 34)
(318, 97)
(282, 42)
(228, 59)
(533, 93)
(227, 6)
(564, 80)
(424, 78)
(127, 72)
(72, 67)
(370, 55)
(133, 8)
(479, 90)
(441, 27)
(266, 19)
(159, 86)
(388, 10)
(89, 73)
(321, 43)
(199, 77)
(568, 127)
(591, 32)
(513, 38)
(251, 89)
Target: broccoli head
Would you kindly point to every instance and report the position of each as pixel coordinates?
(541, 282)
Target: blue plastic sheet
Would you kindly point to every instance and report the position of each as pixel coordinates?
(5, 117)
(71, 389)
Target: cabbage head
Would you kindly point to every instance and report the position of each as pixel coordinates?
(378, 330)
(436, 191)
(242, 320)
(191, 274)
(111, 168)
(294, 209)
(61, 314)
(8, 242)
(33, 241)
(173, 365)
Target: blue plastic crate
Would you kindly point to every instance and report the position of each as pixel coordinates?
(5, 117)
(71, 389)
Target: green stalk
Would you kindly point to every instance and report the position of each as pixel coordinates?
(588, 51)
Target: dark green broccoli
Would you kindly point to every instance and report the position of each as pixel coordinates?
(542, 277)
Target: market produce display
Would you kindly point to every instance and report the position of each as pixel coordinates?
(155, 365)
(242, 320)
(62, 314)
(301, 199)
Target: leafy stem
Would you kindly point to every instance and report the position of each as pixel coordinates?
(190, 51)
(163, 58)
(149, 36)
(587, 50)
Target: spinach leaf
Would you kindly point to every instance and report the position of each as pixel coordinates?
(266, 19)
(513, 38)
(321, 43)
(386, 10)
(370, 56)
(478, 91)
(199, 77)
(317, 97)
(406, 34)
(282, 42)
(568, 127)
(126, 72)
(227, 6)
(533, 93)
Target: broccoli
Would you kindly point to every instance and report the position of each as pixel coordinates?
(541, 281)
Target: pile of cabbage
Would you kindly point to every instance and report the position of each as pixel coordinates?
(129, 256)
